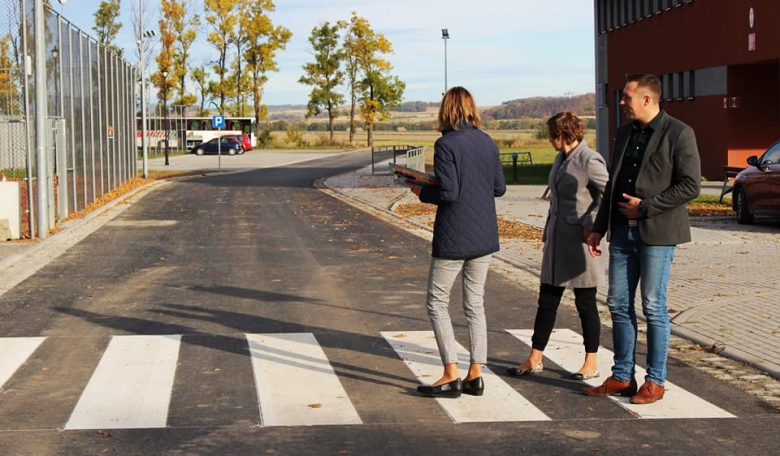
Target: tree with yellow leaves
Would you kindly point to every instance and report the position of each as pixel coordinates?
(222, 18)
(179, 13)
(10, 84)
(377, 88)
(261, 40)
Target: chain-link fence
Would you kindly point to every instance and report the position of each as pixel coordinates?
(89, 111)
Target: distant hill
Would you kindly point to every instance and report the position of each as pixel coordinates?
(534, 107)
(542, 107)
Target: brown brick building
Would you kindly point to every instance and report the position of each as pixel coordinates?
(719, 61)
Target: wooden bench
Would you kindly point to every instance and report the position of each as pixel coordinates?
(730, 172)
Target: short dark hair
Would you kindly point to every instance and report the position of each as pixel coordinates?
(567, 126)
(647, 81)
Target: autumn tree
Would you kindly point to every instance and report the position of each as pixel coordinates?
(222, 18)
(378, 89)
(199, 76)
(166, 78)
(182, 23)
(106, 25)
(10, 85)
(262, 41)
(324, 74)
(352, 71)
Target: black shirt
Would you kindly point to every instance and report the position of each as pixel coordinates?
(632, 159)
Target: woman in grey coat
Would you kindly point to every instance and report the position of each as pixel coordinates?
(577, 181)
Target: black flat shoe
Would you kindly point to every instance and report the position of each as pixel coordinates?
(475, 387)
(451, 389)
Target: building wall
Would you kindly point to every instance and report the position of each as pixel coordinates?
(700, 50)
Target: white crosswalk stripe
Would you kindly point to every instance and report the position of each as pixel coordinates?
(566, 350)
(295, 384)
(499, 403)
(131, 386)
(14, 351)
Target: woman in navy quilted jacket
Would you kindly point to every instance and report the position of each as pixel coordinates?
(465, 236)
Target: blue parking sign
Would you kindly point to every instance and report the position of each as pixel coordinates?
(218, 122)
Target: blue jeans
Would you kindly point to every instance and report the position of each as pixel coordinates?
(633, 262)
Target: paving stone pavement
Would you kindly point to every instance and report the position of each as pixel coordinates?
(722, 293)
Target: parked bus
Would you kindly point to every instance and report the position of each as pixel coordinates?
(194, 130)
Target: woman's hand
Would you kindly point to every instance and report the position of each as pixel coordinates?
(594, 244)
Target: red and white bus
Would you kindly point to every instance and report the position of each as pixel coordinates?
(193, 130)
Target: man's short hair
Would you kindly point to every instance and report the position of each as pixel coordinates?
(647, 81)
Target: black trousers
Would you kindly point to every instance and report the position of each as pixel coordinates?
(547, 310)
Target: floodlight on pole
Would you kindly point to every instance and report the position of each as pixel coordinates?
(141, 35)
(445, 35)
(165, 113)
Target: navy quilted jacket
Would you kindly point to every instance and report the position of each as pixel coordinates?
(467, 164)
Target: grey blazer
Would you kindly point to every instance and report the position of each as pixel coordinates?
(576, 184)
(669, 177)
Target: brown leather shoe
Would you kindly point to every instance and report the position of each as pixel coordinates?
(612, 387)
(648, 393)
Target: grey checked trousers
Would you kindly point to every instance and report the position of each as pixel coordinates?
(441, 278)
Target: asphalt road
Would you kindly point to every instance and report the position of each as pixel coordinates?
(216, 273)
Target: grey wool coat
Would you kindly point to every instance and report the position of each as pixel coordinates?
(576, 183)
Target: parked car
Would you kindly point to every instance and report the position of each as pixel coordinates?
(224, 145)
(243, 138)
(757, 187)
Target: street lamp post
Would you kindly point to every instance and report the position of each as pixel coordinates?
(445, 35)
(55, 54)
(165, 114)
(144, 89)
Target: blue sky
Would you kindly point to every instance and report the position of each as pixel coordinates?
(499, 49)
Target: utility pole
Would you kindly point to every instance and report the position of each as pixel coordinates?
(41, 116)
(142, 50)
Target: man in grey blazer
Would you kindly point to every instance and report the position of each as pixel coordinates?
(655, 172)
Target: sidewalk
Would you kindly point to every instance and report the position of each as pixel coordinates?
(716, 294)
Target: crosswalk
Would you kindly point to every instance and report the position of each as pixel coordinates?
(132, 384)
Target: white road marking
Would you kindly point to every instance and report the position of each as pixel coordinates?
(296, 385)
(131, 386)
(500, 401)
(566, 350)
(14, 351)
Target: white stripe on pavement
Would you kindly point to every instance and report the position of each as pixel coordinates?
(566, 350)
(296, 385)
(499, 403)
(131, 386)
(14, 351)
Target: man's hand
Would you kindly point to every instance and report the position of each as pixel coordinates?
(594, 244)
(585, 234)
(630, 209)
